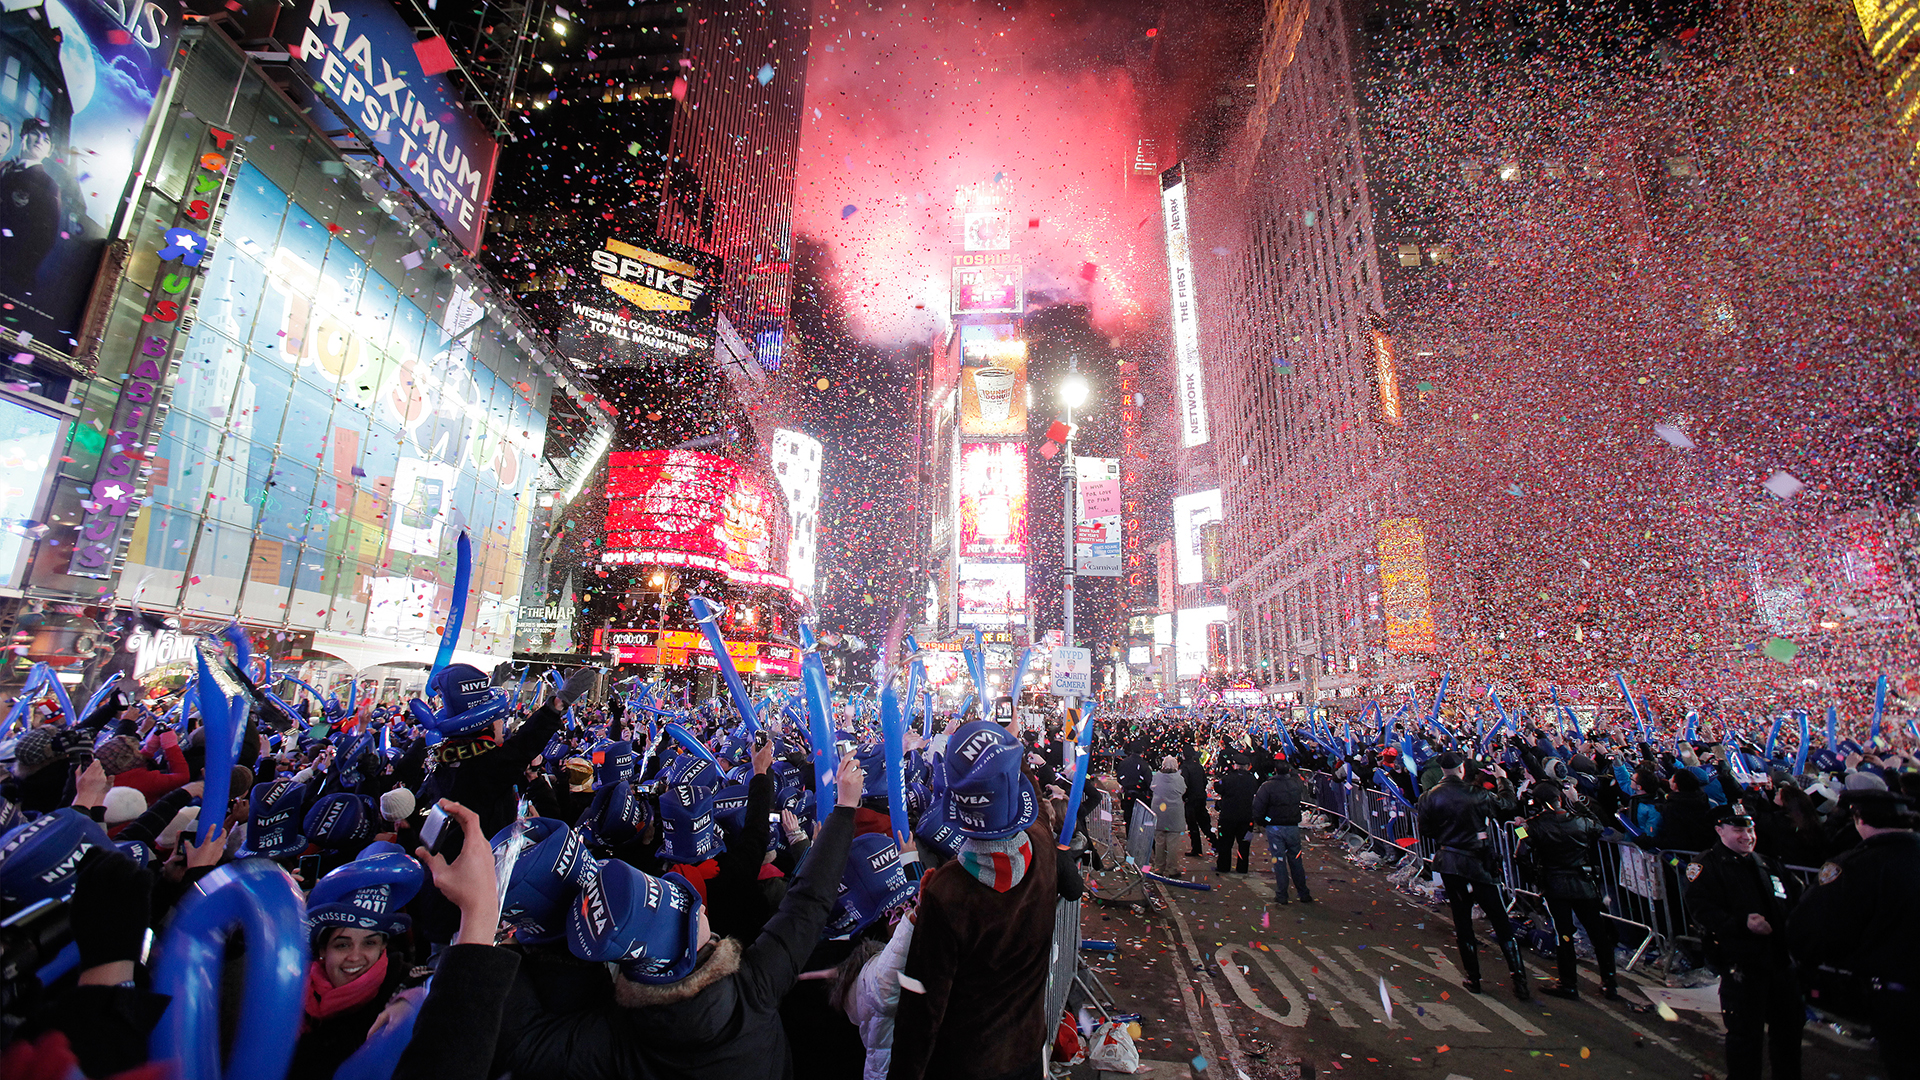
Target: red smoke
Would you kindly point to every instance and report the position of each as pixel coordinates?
(913, 105)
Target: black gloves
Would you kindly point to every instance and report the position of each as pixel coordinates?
(112, 899)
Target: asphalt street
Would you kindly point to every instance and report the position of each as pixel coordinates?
(1228, 984)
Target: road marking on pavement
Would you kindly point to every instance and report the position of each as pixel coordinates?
(1443, 969)
(1316, 990)
(1201, 1036)
(1296, 1002)
(1433, 1015)
(1351, 991)
(1197, 964)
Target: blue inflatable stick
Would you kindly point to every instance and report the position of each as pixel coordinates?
(259, 899)
(813, 685)
(1879, 709)
(223, 710)
(893, 744)
(1800, 758)
(707, 614)
(1081, 761)
(457, 613)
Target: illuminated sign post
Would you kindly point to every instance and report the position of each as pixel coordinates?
(988, 283)
(1096, 530)
(1194, 542)
(1189, 389)
(685, 508)
(993, 500)
(993, 380)
(796, 468)
(654, 304)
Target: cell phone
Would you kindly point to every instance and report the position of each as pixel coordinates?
(441, 834)
(310, 869)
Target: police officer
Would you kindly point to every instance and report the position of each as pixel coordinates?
(1457, 818)
(1856, 932)
(1740, 900)
(1564, 848)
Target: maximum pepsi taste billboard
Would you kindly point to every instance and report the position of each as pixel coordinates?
(77, 81)
(362, 55)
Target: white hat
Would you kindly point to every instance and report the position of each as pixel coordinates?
(397, 805)
(123, 804)
(187, 818)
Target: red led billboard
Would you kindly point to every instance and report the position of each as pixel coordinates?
(688, 503)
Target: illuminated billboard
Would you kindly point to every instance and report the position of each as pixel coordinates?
(796, 468)
(1196, 536)
(368, 61)
(1406, 591)
(689, 648)
(988, 283)
(1096, 535)
(992, 594)
(641, 303)
(1193, 629)
(993, 380)
(992, 482)
(1190, 396)
(686, 502)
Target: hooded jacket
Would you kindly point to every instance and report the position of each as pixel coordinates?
(1457, 817)
(1278, 800)
(1236, 790)
(721, 1022)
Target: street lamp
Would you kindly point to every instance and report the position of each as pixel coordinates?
(659, 581)
(1073, 394)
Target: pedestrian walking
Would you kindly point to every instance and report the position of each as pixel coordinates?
(1236, 789)
(1458, 818)
(1276, 808)
(1199, 824)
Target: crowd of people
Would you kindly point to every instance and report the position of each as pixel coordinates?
(591, 880)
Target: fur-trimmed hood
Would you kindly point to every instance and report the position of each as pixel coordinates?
(723, 963)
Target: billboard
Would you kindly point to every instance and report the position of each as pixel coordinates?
(993, 380)
(689, 503)
(1096, 537)
(80, 79)
(689, 648)
(796, 468)
(367, 61)
(988, 283)
(653, 304)
(1406, 590)
(1193, 630)
(992, 594)
(992, 482)
(1190, 396)
(1196, 536)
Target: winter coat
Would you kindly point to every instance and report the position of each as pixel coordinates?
(485, 783)
(1168, 802)
(1564, 848)
(720, 1022)
(1236, 791)
(876, 998)
(154, 783)
(976, 973)
(459, 1022)
(1686, 823)
(1723, 888)
(1457, 816)
(328, 1042)
(1195, 774)
(1278, 801)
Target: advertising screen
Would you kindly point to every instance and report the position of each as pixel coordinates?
(1196, 541)
(796, 468)
(643, 302)
(1192, 631)
(1190, 396)
(26, 442)
(993, 380)
(1406, 592)
(993, 500)
(361, 437)
(992, 594)
(690, 503)
(80, 78)
(987, 283)
(1096, 538)
(363, 56)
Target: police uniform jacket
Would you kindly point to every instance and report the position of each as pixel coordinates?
(1863, 914)
(1566, 860)
(1723, 888)
(1458, 818)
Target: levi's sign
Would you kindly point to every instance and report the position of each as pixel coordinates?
(361, 54)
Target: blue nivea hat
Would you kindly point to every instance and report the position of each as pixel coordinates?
(730, 813)
(615, 816)
(460, 687)
(873, 760)
(648, 925)
(41, 859)
(470, 703)
(872, 884)
(988, 797)
(339, 821)
(544, 865)
(612, 762)
(139, 852)
(274, 820)
(366, 894)
(686, 810)
(935, 831)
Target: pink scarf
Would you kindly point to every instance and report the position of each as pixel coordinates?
(323, 999)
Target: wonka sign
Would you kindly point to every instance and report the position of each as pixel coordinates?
(361, 54)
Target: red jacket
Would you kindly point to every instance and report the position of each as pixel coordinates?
(154, 783)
